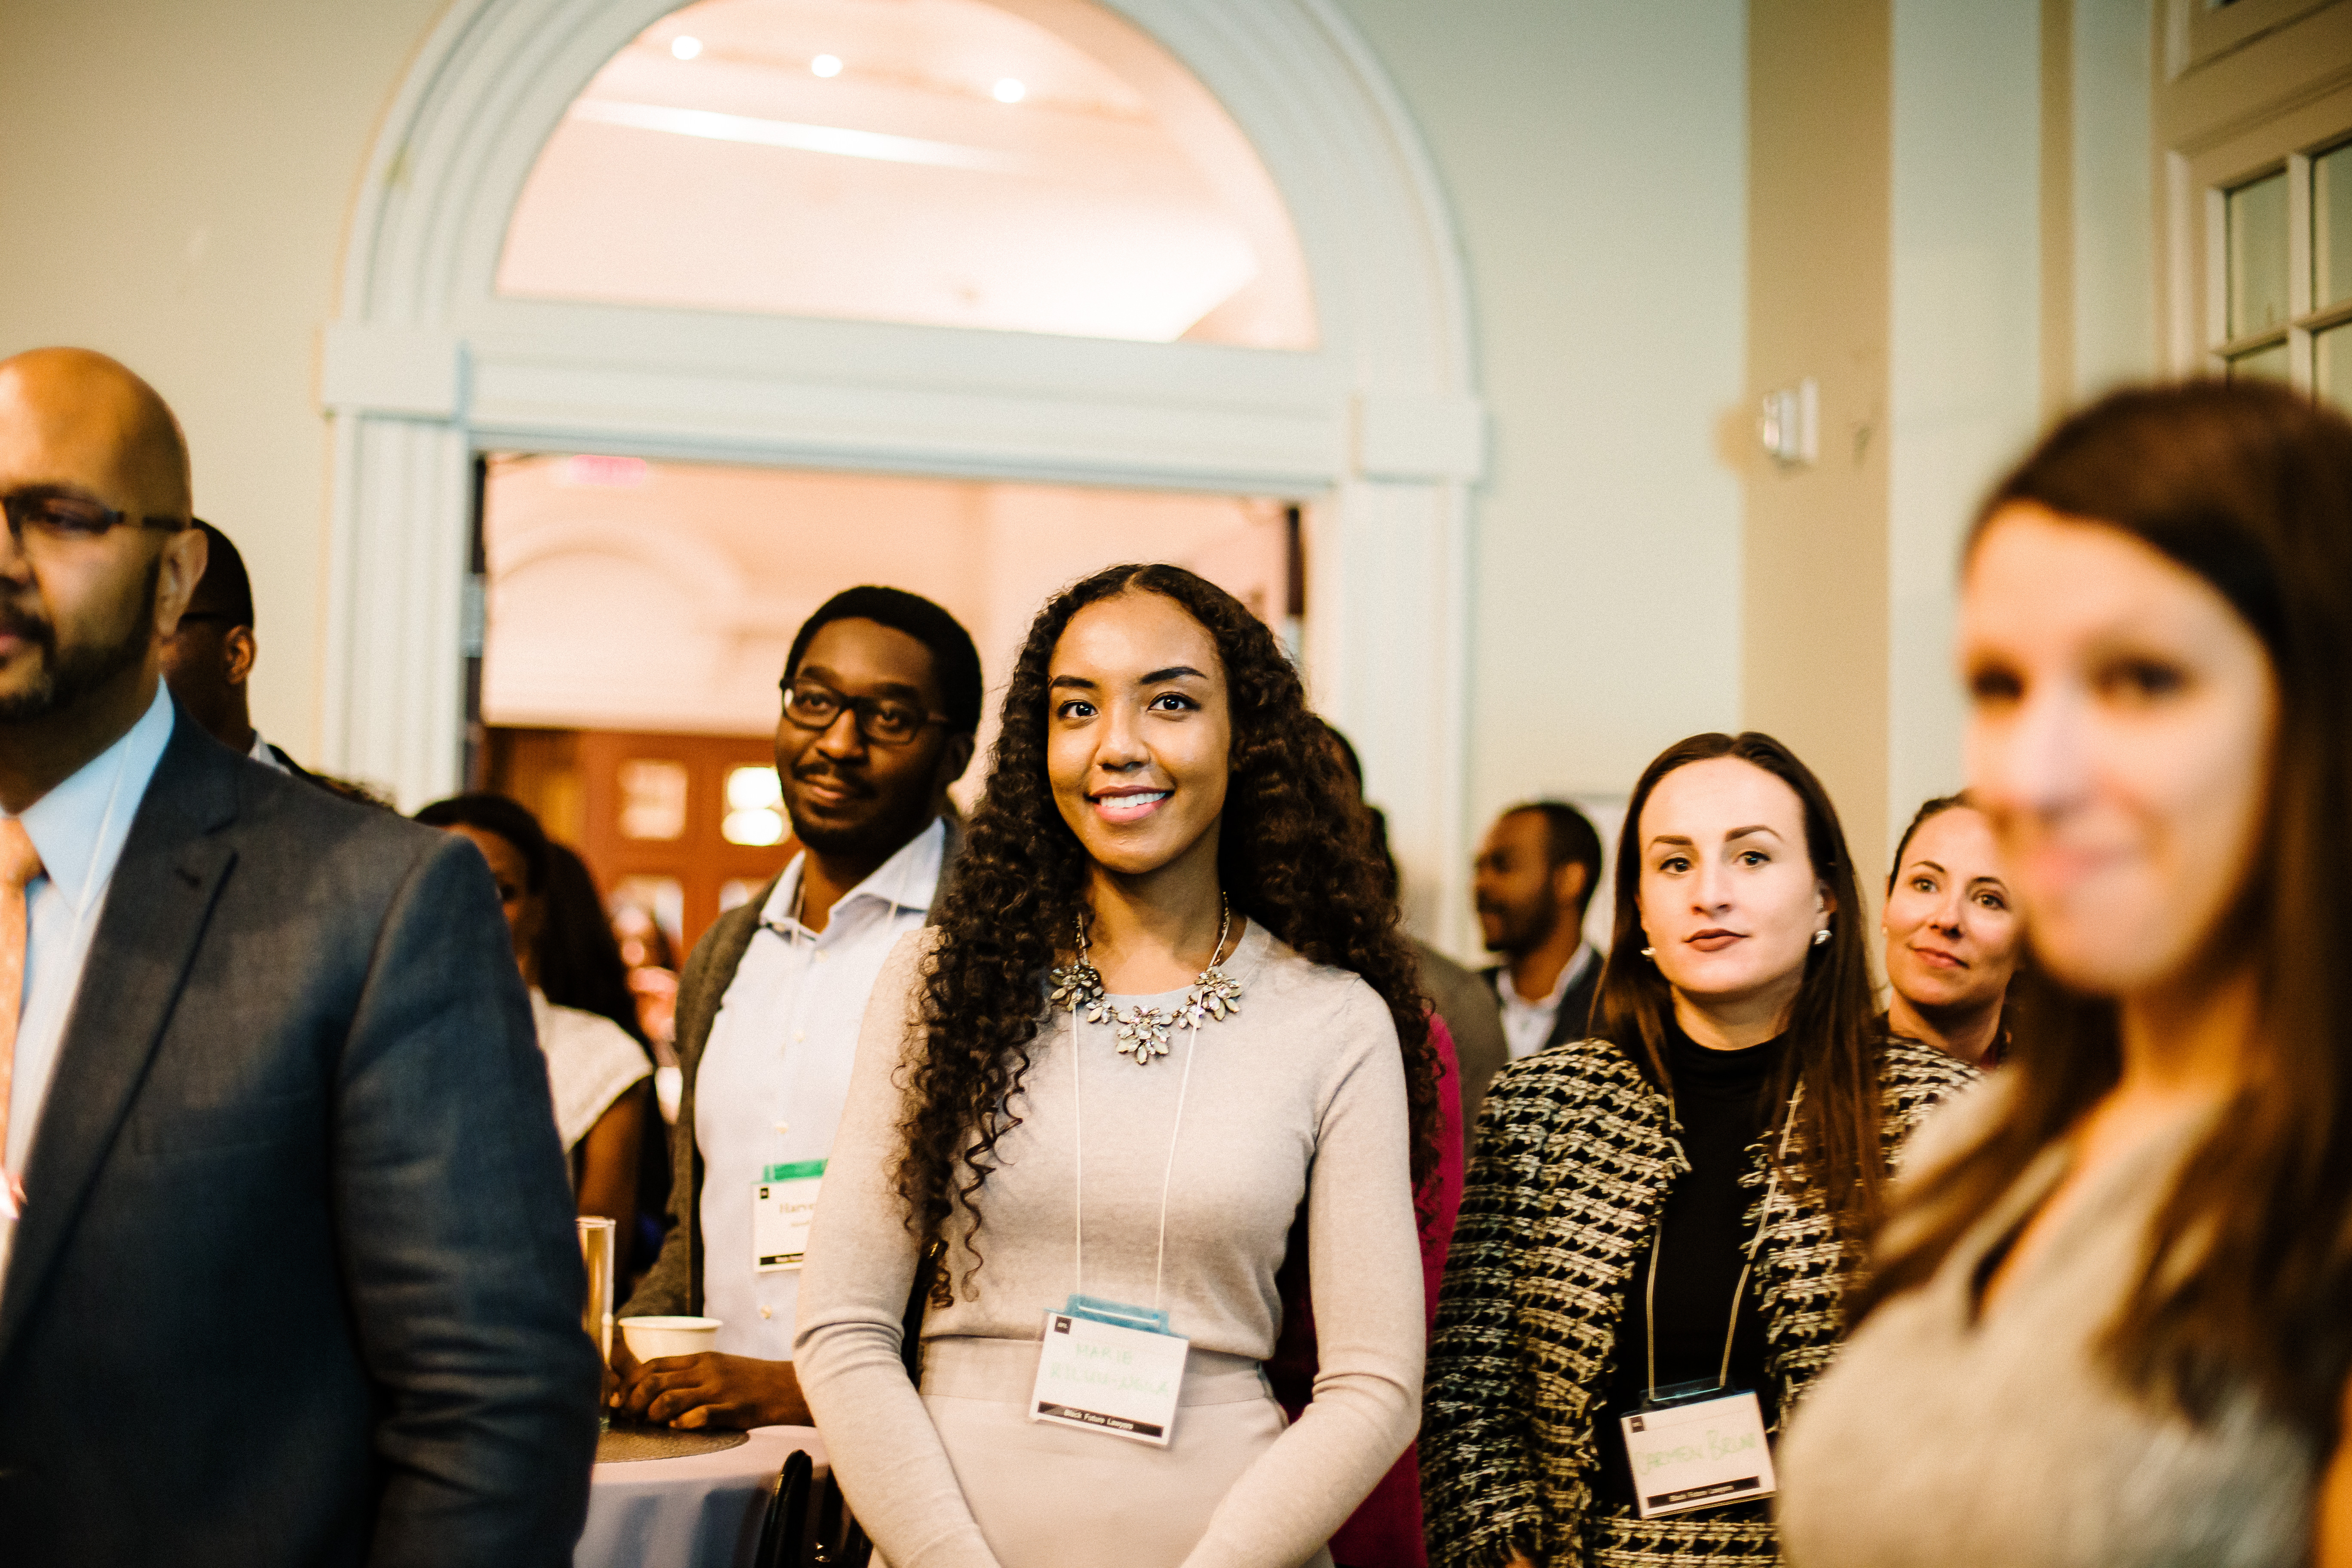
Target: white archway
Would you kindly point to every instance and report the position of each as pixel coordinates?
(426, 365)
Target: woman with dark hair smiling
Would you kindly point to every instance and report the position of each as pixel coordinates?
(2107, 1324)
(1953, 935)
(1165, 1006)
(1661, 1222)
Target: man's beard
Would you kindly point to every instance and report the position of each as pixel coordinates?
(64, 680)
(1519, 936)
(883, 833)
(879, 833)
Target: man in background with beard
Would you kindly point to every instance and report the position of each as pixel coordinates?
(287, 1267)
(881, 703)
(1532, 881)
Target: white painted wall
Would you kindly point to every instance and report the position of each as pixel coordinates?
(1595, 155)
(1965, 371)
(192, 167)
(2114, 246)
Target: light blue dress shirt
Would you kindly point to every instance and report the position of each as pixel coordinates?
(78, 829)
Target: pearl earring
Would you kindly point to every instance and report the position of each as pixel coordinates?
(1820, 936)
(1649, 952)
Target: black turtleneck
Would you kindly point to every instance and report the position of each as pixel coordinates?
(1719, 1099)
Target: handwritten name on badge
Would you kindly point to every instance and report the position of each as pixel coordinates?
(1698, 1454)
(1106, 1378)
(784, 1204)
(1714, 1445)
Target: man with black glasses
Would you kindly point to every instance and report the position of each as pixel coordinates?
(881, 701)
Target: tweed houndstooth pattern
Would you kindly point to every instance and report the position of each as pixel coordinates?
(1576, 1154)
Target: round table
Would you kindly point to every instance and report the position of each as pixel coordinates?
(699, 1511)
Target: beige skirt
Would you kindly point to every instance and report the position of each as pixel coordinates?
(1046, 1495)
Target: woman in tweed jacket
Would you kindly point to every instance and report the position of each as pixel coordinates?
(1736, 1080)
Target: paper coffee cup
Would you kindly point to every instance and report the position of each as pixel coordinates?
(650, 1338)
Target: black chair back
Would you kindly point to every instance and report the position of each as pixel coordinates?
(784, 1530)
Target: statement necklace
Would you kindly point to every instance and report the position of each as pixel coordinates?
(1141, 1033)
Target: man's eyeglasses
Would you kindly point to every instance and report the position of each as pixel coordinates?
(880, 719)
(49, 516)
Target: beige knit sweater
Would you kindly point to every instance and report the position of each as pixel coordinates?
(1301, 1094)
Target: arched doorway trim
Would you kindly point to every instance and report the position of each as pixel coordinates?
(1382, 424)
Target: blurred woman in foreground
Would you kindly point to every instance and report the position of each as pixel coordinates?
(2109, 1322)
(1952, 934)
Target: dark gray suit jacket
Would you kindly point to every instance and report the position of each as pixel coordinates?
(673, 1286)
(1475, 1018)
(298, 1281)
(1574, 1022)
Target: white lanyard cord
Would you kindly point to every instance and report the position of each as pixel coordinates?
(1078, 1156)
(1747, 1267)
(1183, 1085)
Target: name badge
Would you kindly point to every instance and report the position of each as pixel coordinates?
(784, 1202)
(1698, 1454)
(1107, 1378)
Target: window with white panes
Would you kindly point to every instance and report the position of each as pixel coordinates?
(2283, 274)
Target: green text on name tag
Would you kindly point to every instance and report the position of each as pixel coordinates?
(795, 1171)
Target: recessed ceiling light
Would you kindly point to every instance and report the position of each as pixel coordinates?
(1008, 90)
(611, 473)
(685, 47)
(826, 65)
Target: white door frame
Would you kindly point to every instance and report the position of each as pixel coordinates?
(1382, 424)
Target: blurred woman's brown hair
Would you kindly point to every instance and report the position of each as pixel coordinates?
(1833, 1027)
(2250, 487)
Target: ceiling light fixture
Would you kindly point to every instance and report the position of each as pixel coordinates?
(826, 65)
(833, 138)
(603, 472)
(685, 47)
(1008, 91)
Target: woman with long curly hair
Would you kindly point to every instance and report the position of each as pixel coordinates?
(1662, 1221)
(2108, 1322)
(1165, 1012)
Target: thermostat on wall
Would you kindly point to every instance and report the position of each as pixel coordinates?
(1790, 423)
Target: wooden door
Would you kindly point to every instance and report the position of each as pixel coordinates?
(659, 829)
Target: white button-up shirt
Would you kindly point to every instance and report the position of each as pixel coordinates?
(80, 828)
(775, 1071)
(1528, 1025)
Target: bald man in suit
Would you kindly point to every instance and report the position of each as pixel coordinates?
(288, 1271)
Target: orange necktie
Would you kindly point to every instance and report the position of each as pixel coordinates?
(19, 864)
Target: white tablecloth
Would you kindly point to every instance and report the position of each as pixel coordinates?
(701, 1512)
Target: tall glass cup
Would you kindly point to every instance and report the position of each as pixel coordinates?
(596, 1244)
